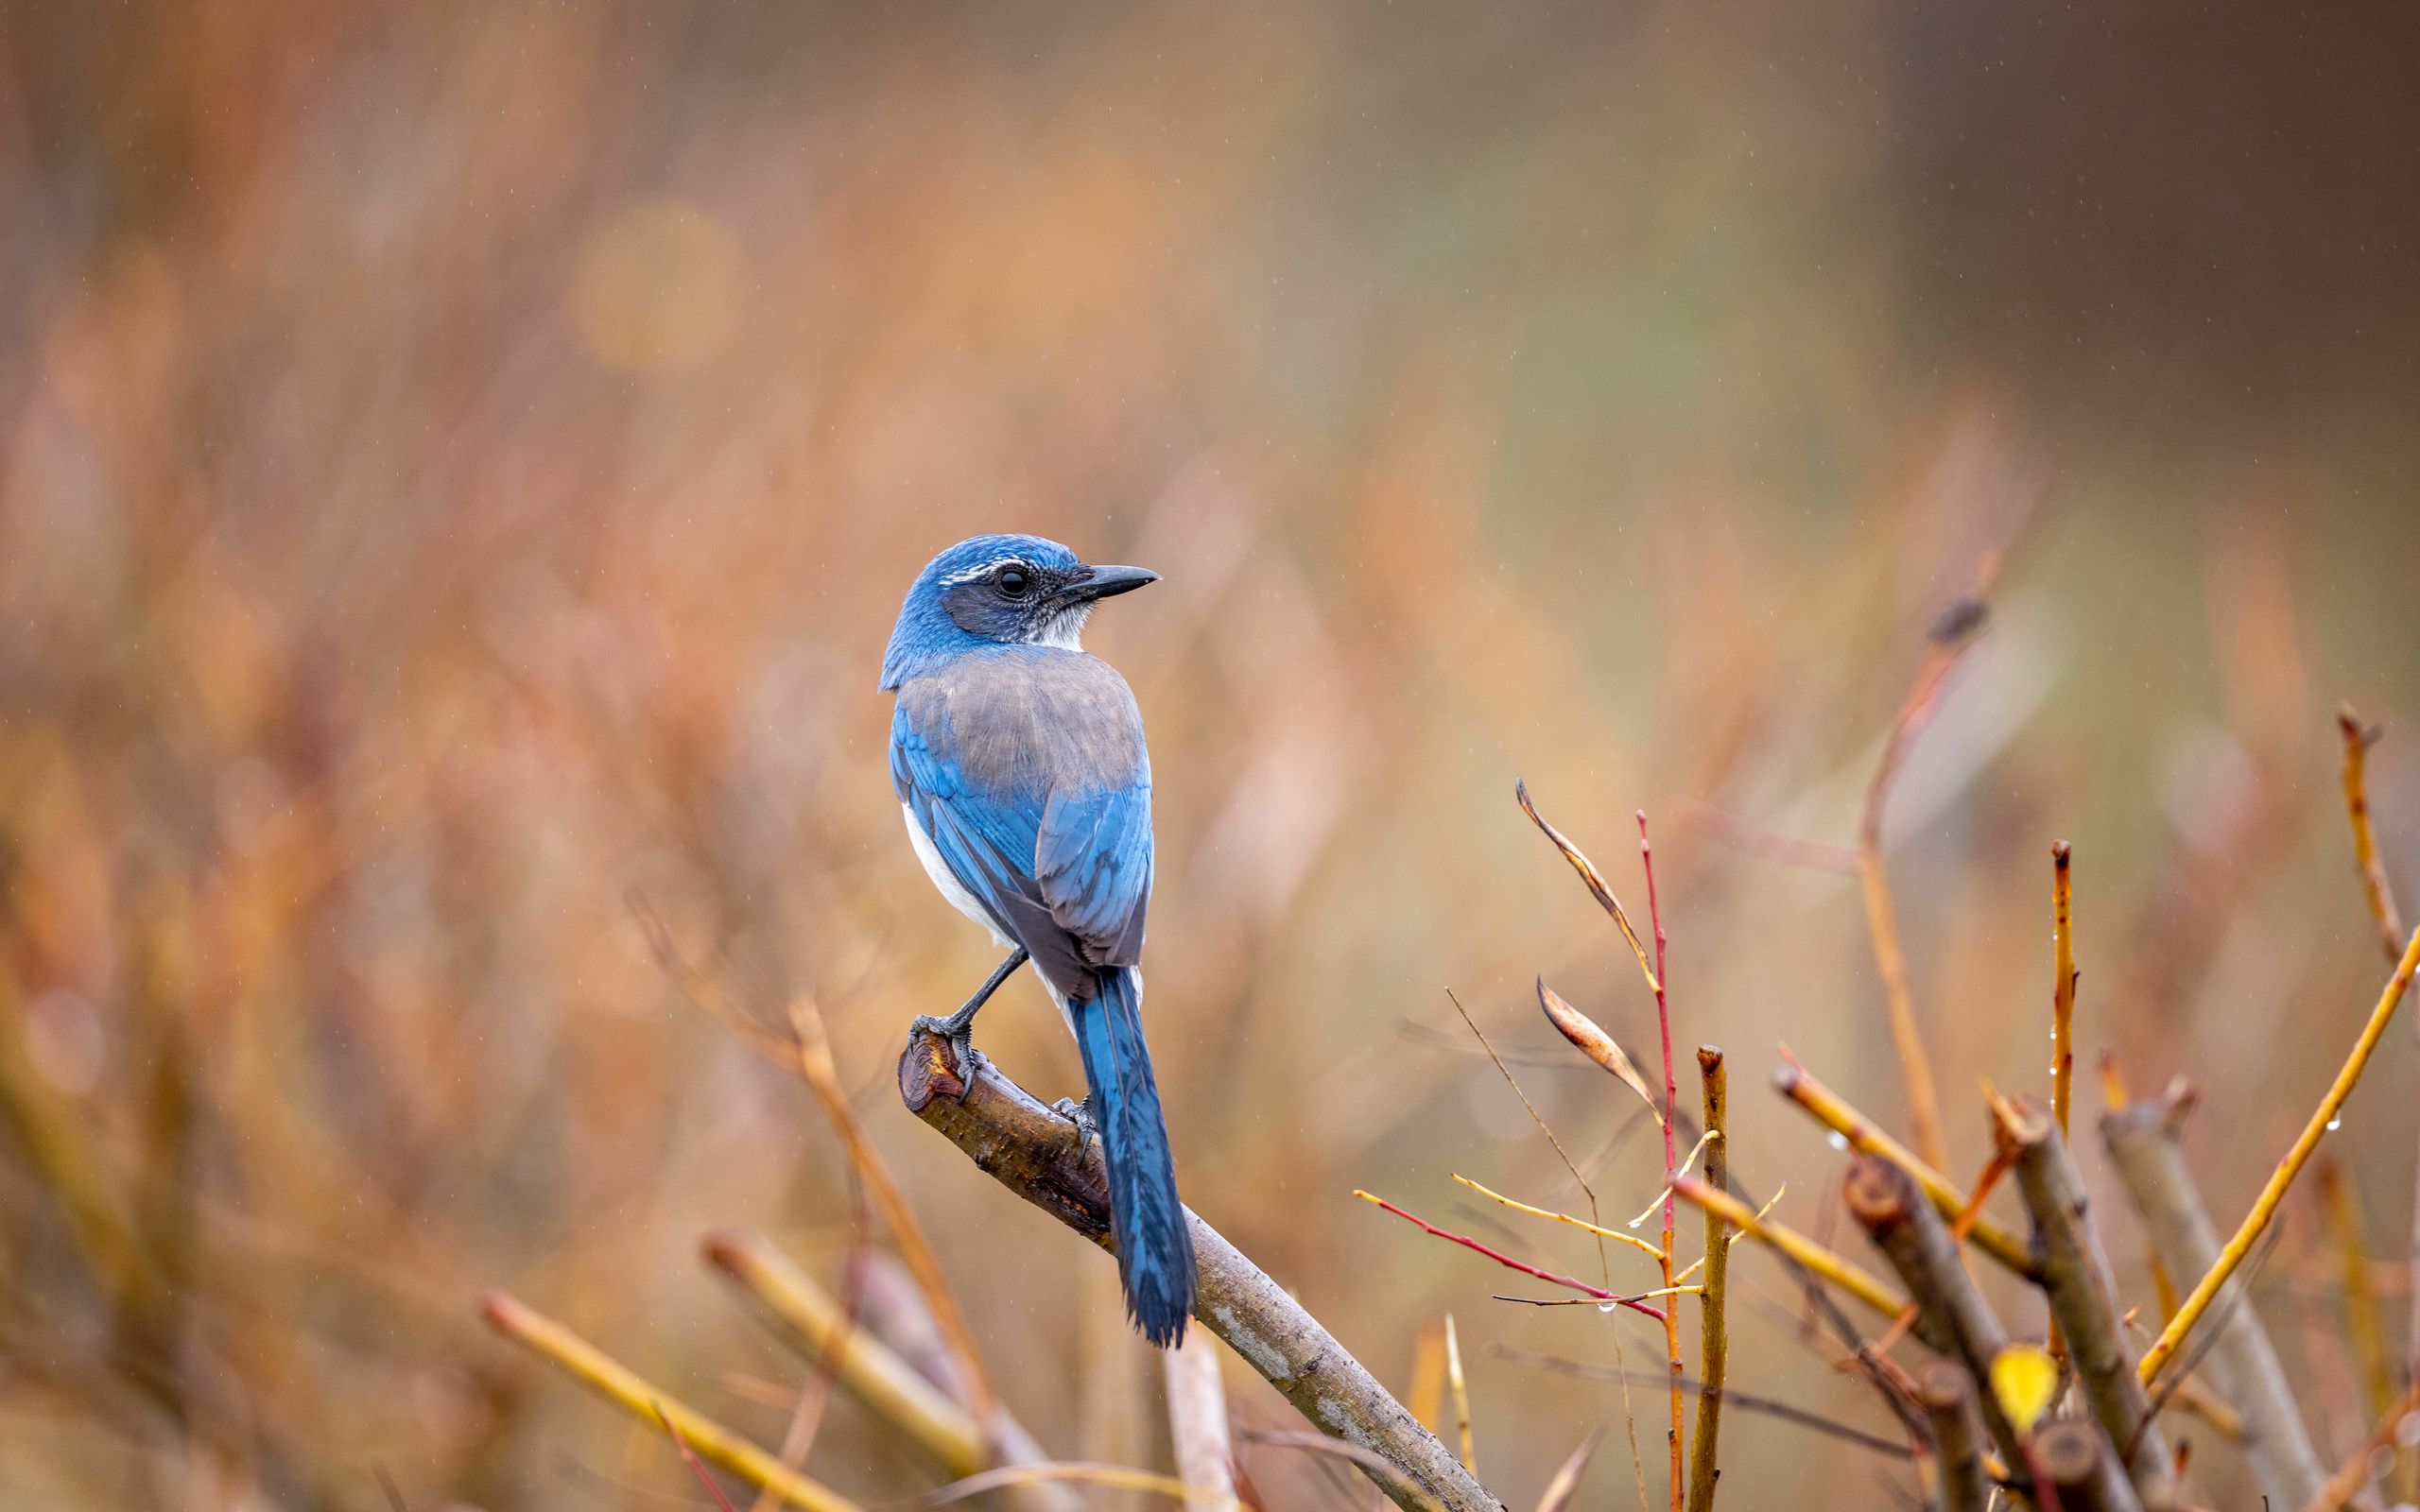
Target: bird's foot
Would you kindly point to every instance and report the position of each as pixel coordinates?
(1079, 1114)
(958, 1033)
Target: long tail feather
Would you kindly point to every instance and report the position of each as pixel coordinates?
(1154, 1251)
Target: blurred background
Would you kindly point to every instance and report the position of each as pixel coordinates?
(460, 462)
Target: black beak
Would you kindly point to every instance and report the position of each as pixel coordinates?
(1108, 582)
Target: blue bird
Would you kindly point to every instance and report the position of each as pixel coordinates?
(1020, 763)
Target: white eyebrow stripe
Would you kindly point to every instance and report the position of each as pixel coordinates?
(972, 573)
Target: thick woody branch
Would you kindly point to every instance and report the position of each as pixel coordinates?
(1886, 1202)
(2143, 1145)
(2074, 1460)
(1948, 1398)
(1036, 1153)
(2075, 1275)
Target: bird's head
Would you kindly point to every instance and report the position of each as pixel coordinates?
(999, 590)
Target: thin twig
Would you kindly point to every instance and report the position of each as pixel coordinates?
(2062, 987)
(2265, 1207)
(1829, 1109)
(807, 1413)
(1714, 1339)
(1596, 1225)
(862, 1365)
(1459, 1390)
(1745, 1402)
(1598, 1293)
(814, 1065)
(2359, 738)
(697, 1465)
(1951, 636)
(1116, 1477)
(1796, 1247)
(618, 1383)
(1566, 1483)
(2379, 894)
(2361, 1320)
(1672, 1165)
(1582, 1224)
(1814, 855)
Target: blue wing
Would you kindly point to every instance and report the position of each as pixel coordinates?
(1093, 860)
(1057, 849)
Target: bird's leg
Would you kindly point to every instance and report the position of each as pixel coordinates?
(959, 1029)
(1079, 1114)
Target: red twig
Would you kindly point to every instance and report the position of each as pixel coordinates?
(681, 1442)
(1523, 1266)
(1671, 1155)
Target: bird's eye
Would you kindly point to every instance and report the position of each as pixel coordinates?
(1014, 582)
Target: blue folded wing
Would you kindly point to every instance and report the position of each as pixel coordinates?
(986, 840)
(1065, 873)
(1092, 860)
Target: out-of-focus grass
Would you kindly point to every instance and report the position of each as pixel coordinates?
(458, 464)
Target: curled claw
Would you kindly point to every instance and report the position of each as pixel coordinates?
(1079, 1114)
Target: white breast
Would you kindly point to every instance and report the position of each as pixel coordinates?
(946, 879)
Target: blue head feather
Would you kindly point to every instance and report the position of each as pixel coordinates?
(1005, 589)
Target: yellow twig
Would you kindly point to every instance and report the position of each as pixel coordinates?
(823, 1078)
(1714, 1339)
(1679, 1170)
(2357, 739)
(1843, 1274)
(2062, 988)
(1949, 641)
(1427, 1375)
(1632, 1239)
(815, 1066)
(2265, 1208)
(2360, 1304)
(1828, 1110)
(1115, 1477)
(618, 1383)
(1915, 1067)
(1460, 1390)
(867, 1368)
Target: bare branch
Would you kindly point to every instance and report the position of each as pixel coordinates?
(1034, 1152)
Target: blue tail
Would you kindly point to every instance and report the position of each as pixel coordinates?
(1154, 1251)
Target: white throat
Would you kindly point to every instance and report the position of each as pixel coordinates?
(1065, 629)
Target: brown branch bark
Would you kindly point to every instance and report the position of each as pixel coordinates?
(1948, 1400)
(2075, 1275)
(1033, 1151)
(2073, 1459)
(1887, 1203)
(2142, 1143)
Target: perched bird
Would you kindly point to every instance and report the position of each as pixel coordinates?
(1019, 760)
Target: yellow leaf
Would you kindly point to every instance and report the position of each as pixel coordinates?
(2024, 1378)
